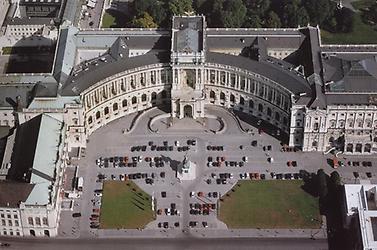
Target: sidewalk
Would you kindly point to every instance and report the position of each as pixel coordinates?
(216, 233)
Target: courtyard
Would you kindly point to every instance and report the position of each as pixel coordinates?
(269, 204)
(125, 205)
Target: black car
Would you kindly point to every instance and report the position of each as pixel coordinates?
(162, 174)
(75, 215)
(176, 224)
(218, 181)
(94, 226)
(163, 194)
(166, 224)
(369, 174)
(193, 223)
(173, 206)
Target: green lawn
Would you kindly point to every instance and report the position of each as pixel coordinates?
(107, 20)
(361, 4)
(125, 205)
(114, 19)
(361, 34)
(269, 204)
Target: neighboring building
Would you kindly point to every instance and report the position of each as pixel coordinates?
(30, 196)
(361, 215)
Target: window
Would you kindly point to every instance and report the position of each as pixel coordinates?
(269, 112)
(2, 216)
(316, 126)
(45, 221)
(124, 103)
(222, 96)
(30, 221)
(3, 222)
(90, 120)
(232, 98)
(16, 223)
(212, 94)
(10, 223)
(144, 98)
(115, 106)
(260, 107)
(277, 116)
(251, 104)
(98, 115)
(15, 216)
(37, 221)
(106, 111)
(134, 100)
(154, 96)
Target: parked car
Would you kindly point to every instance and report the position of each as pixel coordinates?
(75, 215)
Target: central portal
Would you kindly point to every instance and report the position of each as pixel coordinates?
(187, 111)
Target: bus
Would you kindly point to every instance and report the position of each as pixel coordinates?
(80, 184)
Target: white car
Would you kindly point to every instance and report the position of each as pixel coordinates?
(245, 158)
(176, 143)
(192, 194)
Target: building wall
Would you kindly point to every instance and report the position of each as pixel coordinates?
(10, 222)
(357, 124)
(6, 117)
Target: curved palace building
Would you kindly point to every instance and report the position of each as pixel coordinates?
(320, 96)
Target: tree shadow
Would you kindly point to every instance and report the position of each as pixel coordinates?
(173, 163)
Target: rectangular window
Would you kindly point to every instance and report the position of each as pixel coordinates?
(16, 223)
(45, 221)
(15, 216)
(3, 222)
(37, 221)
(10, 223)
(30, 221)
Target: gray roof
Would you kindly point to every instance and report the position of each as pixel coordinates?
(288, 79)
(29, 21)
(95, 73)
(347, 75)
(9, 93)
(351, 98)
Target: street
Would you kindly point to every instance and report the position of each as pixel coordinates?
(169, 244)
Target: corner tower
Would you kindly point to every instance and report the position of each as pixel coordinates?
(188, 48)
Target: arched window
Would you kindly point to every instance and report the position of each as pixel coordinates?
(106, 111)
(251, 104)
(285, 121)
(269, 112)
(222, 96)
(277, 116)
(332, 123)
(163, 94)
(124, 103)
(144, 98)
(90, 120)
(154, 96)
(115, 106)
(242, 101)
(134, 100)
(98, 115)
(212, 95)
(232, 98)
(260, 107)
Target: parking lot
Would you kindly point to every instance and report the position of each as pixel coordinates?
(151, 160)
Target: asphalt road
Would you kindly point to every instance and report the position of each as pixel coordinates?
(169, 244)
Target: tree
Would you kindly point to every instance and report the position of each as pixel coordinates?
(233, 14)
(345, 20)
(335, 178)
(273, 20)
(180, 7)
(322, 183)
(158, 12)
(253, 21)
(302, 17)
(141, 6)
(257, 7)
(145, 21)
(318, 10)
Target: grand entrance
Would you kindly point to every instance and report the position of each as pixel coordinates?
(187, 110)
